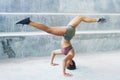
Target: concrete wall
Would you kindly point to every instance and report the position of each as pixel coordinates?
(42, 45)
(24, 46)
(74, 6)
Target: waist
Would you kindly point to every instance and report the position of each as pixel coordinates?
(66, 50)
(65, 43)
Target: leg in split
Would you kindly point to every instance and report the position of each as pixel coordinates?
(76, 21)
(58, 30)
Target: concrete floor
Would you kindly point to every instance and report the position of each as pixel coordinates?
(94, 66)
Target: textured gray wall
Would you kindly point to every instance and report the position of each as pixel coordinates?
(24, 46)
(74, 6)
(44, 44)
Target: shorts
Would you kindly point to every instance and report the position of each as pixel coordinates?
(69, 33)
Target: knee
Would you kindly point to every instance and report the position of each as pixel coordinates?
(48, 31)
(81, 17)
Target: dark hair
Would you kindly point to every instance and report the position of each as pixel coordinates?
(73, 66)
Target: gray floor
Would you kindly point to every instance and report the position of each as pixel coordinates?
(100, 66)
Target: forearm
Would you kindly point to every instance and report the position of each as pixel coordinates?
(64, 67)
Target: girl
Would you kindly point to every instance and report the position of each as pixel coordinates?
(67, 32)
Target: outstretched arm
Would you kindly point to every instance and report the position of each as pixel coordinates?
(66, 58)
(53, 54)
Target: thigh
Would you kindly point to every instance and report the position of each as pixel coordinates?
(75, 21)
(58, 30)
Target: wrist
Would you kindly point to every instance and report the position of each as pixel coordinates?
(51, 62)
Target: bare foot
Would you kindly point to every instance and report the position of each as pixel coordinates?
(68, 74)
(54, 64)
